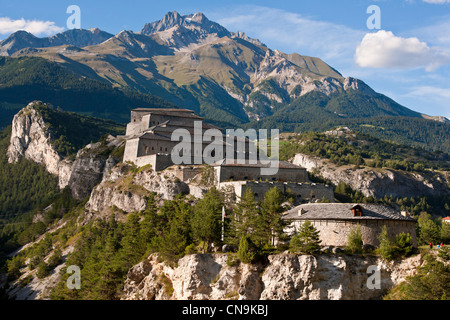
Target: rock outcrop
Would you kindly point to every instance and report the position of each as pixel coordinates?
(377, 182)
(31, 138)
(126, 188)
(284, 277)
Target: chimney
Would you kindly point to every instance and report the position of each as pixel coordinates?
(404, 213)
(301, 211)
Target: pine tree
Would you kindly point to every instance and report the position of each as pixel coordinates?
(245, 218)
(354, 241)
(245, 252)
(403, 244)
(206, 221)
(307, 240)
(132, 249)
(428, 230)
(273, 224)
(445, 232)
(386, 249)
(177, 235)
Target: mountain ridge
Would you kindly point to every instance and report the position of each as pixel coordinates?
(226, 77)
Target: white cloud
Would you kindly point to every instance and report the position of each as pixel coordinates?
(289, 31)
(427, 91)
(385, 50)
(436, 100)
(36, 27)
(437, 1)
(437, 33)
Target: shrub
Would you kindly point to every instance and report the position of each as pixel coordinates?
(444, 253)
(387, 248)
(355, 242)
(55, 259)
(403, 244)
(14, 265)
(245, 252)
(43, 270)
(429, 283)
(190, 249)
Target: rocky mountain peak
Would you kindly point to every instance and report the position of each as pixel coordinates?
(76, 37)
(197, 21)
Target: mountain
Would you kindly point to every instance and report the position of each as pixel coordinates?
(81, 92)
(138, 223)
(76, 37)
(227, 77)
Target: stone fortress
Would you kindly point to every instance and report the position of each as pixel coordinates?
(149, 142)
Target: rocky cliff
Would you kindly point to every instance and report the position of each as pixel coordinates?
(127, 188)
(378, 182)
(284, 277)
(32, 138)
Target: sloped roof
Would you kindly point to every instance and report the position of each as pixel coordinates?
(342, 211)
(281, 164)
(182, 113)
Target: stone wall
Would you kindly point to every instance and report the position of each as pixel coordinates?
(302, 191)
(162, 161)
(131, 150)
(186, 173)
(237, 173)
(335, 232)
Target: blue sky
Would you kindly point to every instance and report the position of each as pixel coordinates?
(408, 59)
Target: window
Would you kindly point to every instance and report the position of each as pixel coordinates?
(357, 210)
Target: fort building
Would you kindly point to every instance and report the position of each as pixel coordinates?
(149, 138)
(334, 221)
(149, 142)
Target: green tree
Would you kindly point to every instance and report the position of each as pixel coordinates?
(272, 210)
(307, 240)
(445, 232)
(354, 240)
(428, 229)
(386, 249)
(403, 244)
(43, 270)
(132, 248)
(13, 267)
(245, 220)
(55, 259)
(206, 220)
(177, 235)
(246, 251)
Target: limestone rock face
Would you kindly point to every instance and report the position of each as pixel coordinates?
(285, 277)
(128, 190)
(163, 183)
(31, 138)
(377, 182)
